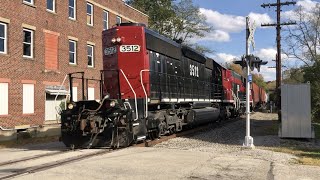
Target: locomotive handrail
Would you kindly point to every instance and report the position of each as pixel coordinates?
(144, 90)
(134, 93)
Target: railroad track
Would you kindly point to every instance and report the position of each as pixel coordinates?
(31, 158)
(49, 165)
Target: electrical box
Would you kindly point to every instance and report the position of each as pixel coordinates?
(296, 111)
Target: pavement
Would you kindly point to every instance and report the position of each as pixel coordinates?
(139, 163)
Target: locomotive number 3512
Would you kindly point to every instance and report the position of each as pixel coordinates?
(129, 48)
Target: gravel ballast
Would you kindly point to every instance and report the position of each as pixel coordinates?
(228, 139)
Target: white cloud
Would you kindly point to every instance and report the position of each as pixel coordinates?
(231, 23)
(260, 18)
(269, 54)
(222, 58)
(224, 22)
(306, 7)
(269, 74)
(215, 35)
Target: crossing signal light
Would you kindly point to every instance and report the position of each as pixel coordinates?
(256, 62)
(242, 62)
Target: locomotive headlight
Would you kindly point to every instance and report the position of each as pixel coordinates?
(112, 104)
(113, 40)
(118, 39)
(70, 106)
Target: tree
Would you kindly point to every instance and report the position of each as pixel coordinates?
(160, 13)
(259, 80)
(236, 68)
(188, 22)
(303, 40)
(293, 76)
(311, 75)
(179, 20)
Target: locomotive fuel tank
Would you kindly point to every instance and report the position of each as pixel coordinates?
(203, 115)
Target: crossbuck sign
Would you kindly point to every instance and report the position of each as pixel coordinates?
(252, 29)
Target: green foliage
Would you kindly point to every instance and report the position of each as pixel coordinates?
(179, 20)
(311, 74)
(259, 80)
(293, 76)
(188, 22)
(160, 13)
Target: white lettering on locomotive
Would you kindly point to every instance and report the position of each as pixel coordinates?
(194, 70)
(110, 50)
(129, 48)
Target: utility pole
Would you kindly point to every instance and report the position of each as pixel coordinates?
(278, 25)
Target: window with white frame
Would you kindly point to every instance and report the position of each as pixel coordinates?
(28, 99)
(27, 43)
(72, 9)
(3, 38)
(28, 1)
(4, 99)
(51, 5)
(72, 52)
(105, 20)
(89, 14)
(90, 56)
(75, 94)
(90, 93)
(119, 20)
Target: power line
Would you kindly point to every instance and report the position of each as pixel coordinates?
(278, 25)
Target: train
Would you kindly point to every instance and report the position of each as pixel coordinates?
(150, 86)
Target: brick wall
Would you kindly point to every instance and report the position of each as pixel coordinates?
(49, 64)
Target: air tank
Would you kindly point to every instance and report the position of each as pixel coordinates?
(203, 115)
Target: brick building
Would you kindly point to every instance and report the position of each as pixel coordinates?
(43, 40)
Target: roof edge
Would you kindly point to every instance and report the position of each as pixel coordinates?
(135, 9)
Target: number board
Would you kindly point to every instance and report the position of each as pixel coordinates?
(110, 50)
(129, 48)
(194, 70)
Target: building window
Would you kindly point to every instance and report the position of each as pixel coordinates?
(51, 5)
(119, 20)
(72, 9)
(90, 55)
(4, 99)
(28, 99)
(105, 20)
(27, 43)
(74, 94)
(28, 1)
(72, 52)
(89, 14)
(90, 93)
(3, 38)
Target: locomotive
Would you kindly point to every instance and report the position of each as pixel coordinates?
(150, 86)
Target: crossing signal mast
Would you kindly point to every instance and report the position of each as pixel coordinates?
(278, 25)
(249, 62)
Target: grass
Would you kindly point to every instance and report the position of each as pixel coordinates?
(21, 142)
(306, 156)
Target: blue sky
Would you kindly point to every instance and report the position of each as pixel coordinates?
(227, 17)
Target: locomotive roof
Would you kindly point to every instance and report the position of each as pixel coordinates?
(161, 44)
(193, 54)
